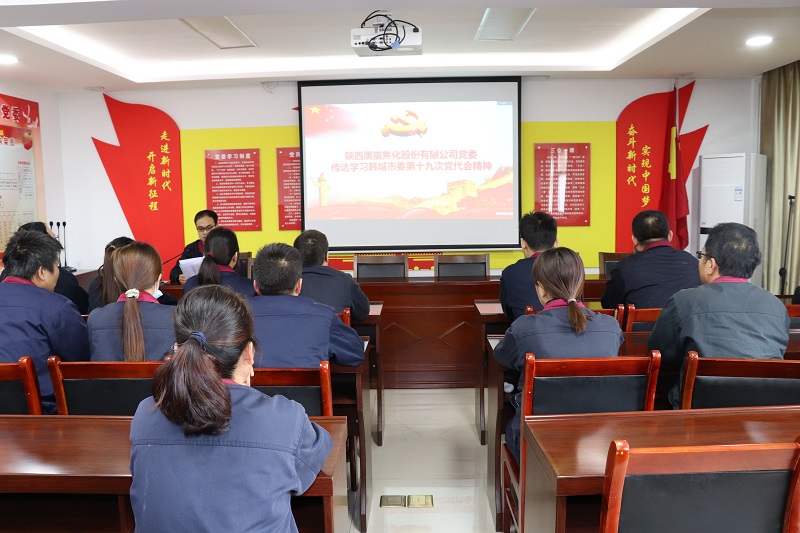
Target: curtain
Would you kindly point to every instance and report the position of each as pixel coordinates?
(780, 142)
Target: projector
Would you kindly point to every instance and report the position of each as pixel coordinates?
(378, 41)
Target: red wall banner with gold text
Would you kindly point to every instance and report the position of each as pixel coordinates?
(233, 187)
(145, 172)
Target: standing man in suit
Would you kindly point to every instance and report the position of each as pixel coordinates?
(35, 321)
(537, 233)
(205, 221)
(655, 272)
(292, 330)
(726, 316)
(327, 285)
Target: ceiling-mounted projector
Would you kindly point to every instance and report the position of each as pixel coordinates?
(386, 36)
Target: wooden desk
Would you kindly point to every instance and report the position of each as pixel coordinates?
(429, 329)
(351, 399)
(492, 321)
(91, 455)
(498, 413)
(567, 453)
(371, 327)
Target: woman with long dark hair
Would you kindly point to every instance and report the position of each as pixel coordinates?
(135, 327)
(221, 255)
(565, 328)
(208, 452)
(104, 289)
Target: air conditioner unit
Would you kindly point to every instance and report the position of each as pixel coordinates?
(378, 42)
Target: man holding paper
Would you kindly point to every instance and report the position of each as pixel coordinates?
(205, 221)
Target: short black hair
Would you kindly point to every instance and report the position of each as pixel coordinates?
(35, 226)
(277, 268)
(29, 250)
(206, 213)
(313, 247)
(539, 230)
(735, 249)
(650, 226)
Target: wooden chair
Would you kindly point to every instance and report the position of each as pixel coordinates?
(19, 388)
(344, 316)
(709, 383)
(747, 488)
(641, 319)
(794, 315)
(609, 260)
(101, 388)
(244, 265)
(310, 387)
(610, 384)
(464, 265)
(380, 266)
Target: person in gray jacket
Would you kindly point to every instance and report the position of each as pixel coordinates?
(726, 316)
(563, 329)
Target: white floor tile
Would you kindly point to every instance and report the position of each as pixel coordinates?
(430, 447)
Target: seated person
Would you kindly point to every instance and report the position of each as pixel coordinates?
(34, 320)
(135, 327)
(222, 254)
(294, 331)
(655, 272)
(208, 453)
(726, 316)
(537, 233)
(327, 285)
(104, 289)
(205, 221)
(563, 329)
(67, 285)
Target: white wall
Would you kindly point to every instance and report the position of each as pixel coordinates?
(730, 107)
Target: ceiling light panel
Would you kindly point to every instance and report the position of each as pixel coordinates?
(503, 23)
(223, 33)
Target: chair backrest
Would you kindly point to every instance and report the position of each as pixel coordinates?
(101, 388)
(641, 319)
(607, 384)
(244, 265)
(746, 488)
(464, 265)
(19, 388)
(380, 266)
(609, 260)
(310, 387)
(709, 383)
(529, 310)
(344, 316)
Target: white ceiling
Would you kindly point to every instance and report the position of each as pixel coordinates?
(127, 44)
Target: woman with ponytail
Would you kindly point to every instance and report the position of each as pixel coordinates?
(221, 255)
(565, 328)
(104, 289)
(208, 453)
(135, 327)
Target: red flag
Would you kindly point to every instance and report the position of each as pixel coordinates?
(674, 202)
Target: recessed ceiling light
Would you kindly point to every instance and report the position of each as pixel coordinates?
(6, 59)
(760, 40)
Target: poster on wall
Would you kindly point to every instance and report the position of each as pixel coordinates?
(561, 175)
(20, 164)
(290, 194)
(233, 187)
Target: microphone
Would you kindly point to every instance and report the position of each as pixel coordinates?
(66, 266)
(58, 238)
(51, 225)
(791, 197)
(171, 258)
